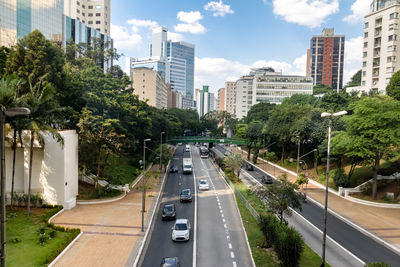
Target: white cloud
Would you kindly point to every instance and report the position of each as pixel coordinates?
(360, 8)
(353, 50)
(219, 8)
(310, 13)
(136, 23)
(190, 22)
(175, 37)
(278, 66)
(123, 39)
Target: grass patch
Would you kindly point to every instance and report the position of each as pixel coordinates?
(87, 191)
(310, 258)
(23, 239)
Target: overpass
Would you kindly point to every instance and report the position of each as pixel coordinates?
(206, 139)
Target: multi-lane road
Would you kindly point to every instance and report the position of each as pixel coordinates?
(216, 237)
(351, 239)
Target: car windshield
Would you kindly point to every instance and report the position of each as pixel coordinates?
(186, 192)
(168, 208)
(186, 166)
(180, 226)
(203, 182)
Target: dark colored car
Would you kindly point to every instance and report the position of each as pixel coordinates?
(267, 179)
(174, 168)
(169, 212)
(186, 196)
(170, 262)
(249, 167)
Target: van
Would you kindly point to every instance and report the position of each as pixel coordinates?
(187, 165)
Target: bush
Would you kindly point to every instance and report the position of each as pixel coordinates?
(392, 168)
(269, 226)
(340, 178)
(42, 240)
(301, 180)
(377, 264)
(220, 162)
(289, 246)
(270, 156)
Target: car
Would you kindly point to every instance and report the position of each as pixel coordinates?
(249, 167)
(170, 262)
(179, 144)
(186, 195)
(174, 169)
(187, 148)
(267, 179)
(169, 212)
(181, 230)
(203, 185)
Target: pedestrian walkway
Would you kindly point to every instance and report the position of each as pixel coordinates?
(110, 230)
(382, 222)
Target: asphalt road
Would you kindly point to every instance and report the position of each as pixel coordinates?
(221, 240)
(359, 244)
(160, 244)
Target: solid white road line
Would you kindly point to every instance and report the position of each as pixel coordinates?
(195, 221)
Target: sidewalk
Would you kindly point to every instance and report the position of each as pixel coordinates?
(382, 222)
(110, 230)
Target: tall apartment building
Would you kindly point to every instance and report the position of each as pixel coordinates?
(381, 37)
(204, 101)
(221, 99)
(266, 85)
(325, 59)
(20, 17)
(230, 97)
(94, 13)
(149, 85)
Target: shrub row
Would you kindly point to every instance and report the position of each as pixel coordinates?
(286, 241)
(21, 200)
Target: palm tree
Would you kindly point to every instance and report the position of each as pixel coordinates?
(234, 161)
(44, 111)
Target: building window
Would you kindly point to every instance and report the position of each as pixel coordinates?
(365, 44)
(98, 29)
(98, 14)
(365, 54)
(366, 24)
(83, 13)
(90, 14)
(394, 15)
(392, 37)
(364, 73)
(97, 22)
(90, 7)
(83, 21)
(78, 11)
(364, 64)
(363, 83)
(365, 34)
(77, 2)
(90, 22)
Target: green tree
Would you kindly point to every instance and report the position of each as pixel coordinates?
(234, 162)
(373, 131)
(321, 89)
(300, 99)
(355, 80)
(259, 112)
(4, 51)
(393, 88)
(279, 197)
(253, 134)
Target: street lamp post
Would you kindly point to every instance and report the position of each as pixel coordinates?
(11, 112)
(143, 182)
(329, 115)
(161, 152)
(298, 155)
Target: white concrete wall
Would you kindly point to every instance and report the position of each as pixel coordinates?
(54, 171)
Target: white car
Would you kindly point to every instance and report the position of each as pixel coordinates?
(181, 230)
(203, 185)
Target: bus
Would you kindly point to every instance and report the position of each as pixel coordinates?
(204, 152)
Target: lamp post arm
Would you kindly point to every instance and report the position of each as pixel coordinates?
(307, 154)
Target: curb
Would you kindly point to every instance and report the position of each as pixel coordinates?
(241, 220)
(65, 250)
(52, 217)
(88, 202)
(372, 204)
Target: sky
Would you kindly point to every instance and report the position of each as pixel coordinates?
(232, 36)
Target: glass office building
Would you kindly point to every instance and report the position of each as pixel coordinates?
(20, 17)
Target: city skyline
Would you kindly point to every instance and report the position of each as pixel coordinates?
(233, 36)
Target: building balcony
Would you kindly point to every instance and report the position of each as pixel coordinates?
(378, 34)
(377, 44)
(375, 74)
(377, 55)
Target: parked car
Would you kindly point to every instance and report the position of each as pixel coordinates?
(203, 185)
(186, 195)
(181, 230)
(249, 167)
(169, 212)
(173, 169)
(267, 179)
(170, 262)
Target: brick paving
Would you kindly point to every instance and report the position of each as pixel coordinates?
(383, 222)
(110, 230)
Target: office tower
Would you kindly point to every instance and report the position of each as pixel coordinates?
(204, 101)
(325, 59)
(149, 85)
(380, 53)
(221, 99)
(264, 85)
(94, 13)
(230, 97)
(20, 17)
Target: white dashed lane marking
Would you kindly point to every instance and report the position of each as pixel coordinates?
(230, 246)
(232, 255)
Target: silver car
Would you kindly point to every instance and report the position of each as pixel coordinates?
(203, 185)
(181, 230)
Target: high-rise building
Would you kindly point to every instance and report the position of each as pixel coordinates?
(221, 99)
(264, 85)
(94, 13)
(325, 59)
(204, 101)
(380, 53)
(159, 65)
(230, 97)
(20, 17)
(149, 85)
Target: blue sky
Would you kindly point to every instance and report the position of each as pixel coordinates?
(233, 36)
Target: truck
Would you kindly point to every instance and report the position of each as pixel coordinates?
(187, 165)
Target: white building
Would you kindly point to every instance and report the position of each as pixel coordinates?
(380, 53)
(204, 101)
(265, 85)
(94, 13)
(230, 97)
